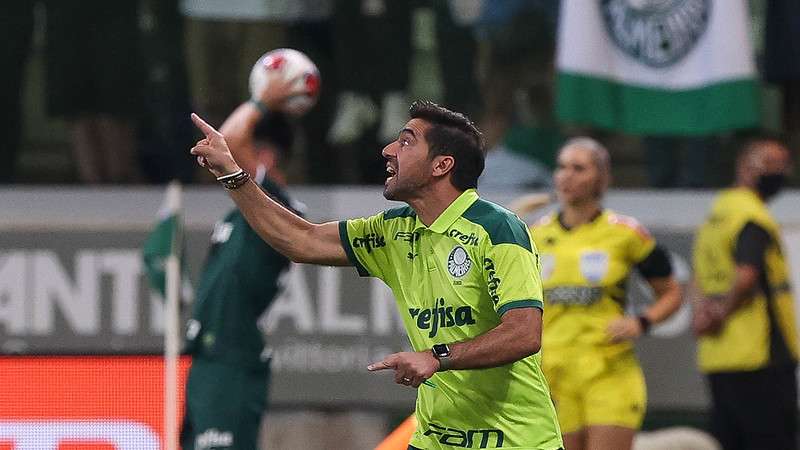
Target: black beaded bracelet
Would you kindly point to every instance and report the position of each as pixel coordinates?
(234, 180)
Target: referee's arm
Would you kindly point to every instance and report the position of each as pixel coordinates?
(657, 269)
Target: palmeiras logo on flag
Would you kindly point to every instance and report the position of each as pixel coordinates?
(656, 33)
(657, 67)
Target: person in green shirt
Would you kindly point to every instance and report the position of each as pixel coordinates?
(464, 273)
(226, 391)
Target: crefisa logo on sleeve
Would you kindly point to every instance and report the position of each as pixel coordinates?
(369, 242)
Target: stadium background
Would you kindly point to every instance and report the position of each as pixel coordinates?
(80, 331)
(87, 329)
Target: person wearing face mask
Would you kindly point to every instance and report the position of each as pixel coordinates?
(744, 314)
(587, 253)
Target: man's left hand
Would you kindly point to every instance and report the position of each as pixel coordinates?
(410, 368)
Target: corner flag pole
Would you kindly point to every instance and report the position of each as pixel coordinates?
(172, 330)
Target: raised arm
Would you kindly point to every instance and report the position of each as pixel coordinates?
(238, 130)
(240, 125)
(293, 236)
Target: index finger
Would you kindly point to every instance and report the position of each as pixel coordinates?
(207, 129)
(383, 365)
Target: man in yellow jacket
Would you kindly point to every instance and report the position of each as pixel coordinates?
(745, 315)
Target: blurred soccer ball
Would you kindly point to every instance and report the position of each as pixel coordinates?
(288, 64)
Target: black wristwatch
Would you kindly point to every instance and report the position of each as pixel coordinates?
(442, 353)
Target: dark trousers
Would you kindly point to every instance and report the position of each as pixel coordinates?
(755, 410)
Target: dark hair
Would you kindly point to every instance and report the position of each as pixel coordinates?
(276, 129)
(749, 141)
(453, 134)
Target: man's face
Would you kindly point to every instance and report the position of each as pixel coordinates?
(407, 165)
(767, 168)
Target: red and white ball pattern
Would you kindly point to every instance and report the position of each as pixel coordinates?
(289, 64)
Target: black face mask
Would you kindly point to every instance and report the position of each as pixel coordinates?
(770, 184)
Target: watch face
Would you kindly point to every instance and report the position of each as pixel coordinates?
(441, 350)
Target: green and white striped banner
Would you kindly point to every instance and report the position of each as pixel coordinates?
(656, 67)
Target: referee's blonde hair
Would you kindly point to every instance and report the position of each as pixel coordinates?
(600, 157)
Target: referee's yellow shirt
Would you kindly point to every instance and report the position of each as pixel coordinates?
(584, 274)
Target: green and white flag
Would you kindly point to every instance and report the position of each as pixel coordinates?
(162, 260)
(165, 239)
(656, 67)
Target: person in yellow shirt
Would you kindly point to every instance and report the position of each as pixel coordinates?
(745, 314)
(587, 253)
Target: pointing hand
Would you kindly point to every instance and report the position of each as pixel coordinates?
(410, 368)
(212, 152)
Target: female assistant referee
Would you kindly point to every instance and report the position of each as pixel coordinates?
(587, 253)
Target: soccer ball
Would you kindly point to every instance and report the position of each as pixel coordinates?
(288, 64)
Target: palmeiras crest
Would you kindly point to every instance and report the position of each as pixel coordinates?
(657, 33)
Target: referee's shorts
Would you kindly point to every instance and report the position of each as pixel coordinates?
(590, 390)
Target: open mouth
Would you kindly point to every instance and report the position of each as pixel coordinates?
(390, 172)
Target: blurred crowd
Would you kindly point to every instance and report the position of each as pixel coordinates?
(100, 92)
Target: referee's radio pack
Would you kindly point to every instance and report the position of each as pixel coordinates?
(290, 65)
